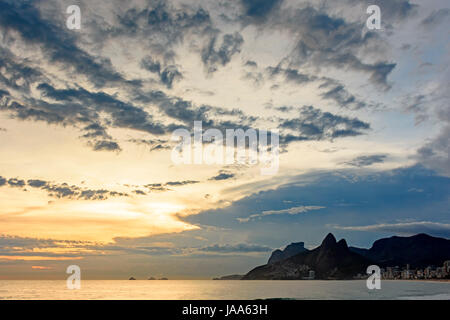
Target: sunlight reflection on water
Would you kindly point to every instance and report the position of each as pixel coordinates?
(221, 290)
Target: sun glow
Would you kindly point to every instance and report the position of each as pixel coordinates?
(164, 207)
(118, 210)
(97, 221)
(129, 210)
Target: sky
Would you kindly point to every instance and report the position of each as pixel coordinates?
(87, 117)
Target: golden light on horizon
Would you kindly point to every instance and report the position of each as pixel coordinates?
(96, 221)
(38, 258)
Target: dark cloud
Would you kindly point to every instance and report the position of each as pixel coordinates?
(25, 246)
(16, 74)
(351, 197)
(259, 8)
(367, 160)
(378, 71)
(223, 175)
(256, 77)
(156, 187)
(11, 241)
(153, 250)
(62, 190)
(36, 113)
(167, 75)
(337, 93)
(153, 144)
(330, 37)
(14, 182)
(139, 192)
(96, 111)
(290, 75)
(405, 46)
(160, 24)
(323, 41)
(151, 65)
(104, 145)
(419, 105)
(94, 194)
(36, 183)
(314, 124)
(186, 112)
(3, 93)
(79, 107)
(175, 108)
(235, 248)
(60, 46)
(95, 130)
(251, 63)
(124, 115)
(65, 190)
(161, 187)
(404, 228)
(40, 111)
(435, 152)
(212, 57)
(181, 183)
(391, 10)
(160, 27)
(284, 109)
(436, 17)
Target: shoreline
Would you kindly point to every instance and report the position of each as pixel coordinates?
(284, 280)
(424, 280)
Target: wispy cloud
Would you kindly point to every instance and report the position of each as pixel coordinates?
(235, 248)
(62, 190)
(223, 175)
(41, 268)
(164, 186)
(314, 124)
(407, 228)
(291, 211)
(366, 160)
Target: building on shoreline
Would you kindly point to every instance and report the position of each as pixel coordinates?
(430, 272)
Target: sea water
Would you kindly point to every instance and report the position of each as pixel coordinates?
(222, 289)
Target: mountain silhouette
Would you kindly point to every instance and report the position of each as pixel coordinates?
(331, 260)
(419, 251)
(335, 260)
(291, 250)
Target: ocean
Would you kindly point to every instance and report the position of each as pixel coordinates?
(221, 290)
